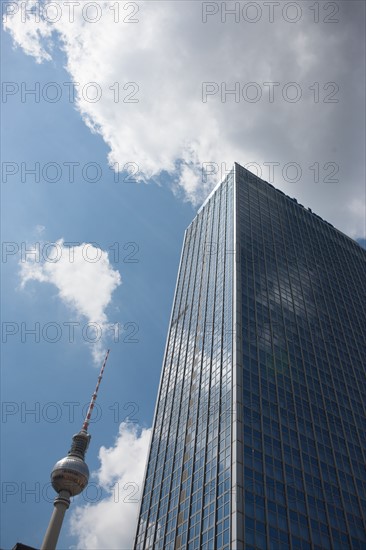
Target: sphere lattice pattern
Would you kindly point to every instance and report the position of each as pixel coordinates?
(70, 474)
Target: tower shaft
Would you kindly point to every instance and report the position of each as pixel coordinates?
(61, 504)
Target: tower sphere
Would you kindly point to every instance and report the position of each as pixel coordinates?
(70, 474)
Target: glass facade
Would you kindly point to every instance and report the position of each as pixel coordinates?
(259, 432)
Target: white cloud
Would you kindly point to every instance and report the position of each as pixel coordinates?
(33, 36)
(84, 278)
(111, 523)
(169, 53)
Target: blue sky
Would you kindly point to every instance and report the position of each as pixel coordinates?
(105, 212)
(169, 133)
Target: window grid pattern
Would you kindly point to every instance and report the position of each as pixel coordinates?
(303, 376)
(298, 396)
(186, 497)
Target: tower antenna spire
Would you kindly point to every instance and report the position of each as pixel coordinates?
(95, 394)
(70, 475)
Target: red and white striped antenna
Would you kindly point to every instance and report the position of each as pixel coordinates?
(94, 396)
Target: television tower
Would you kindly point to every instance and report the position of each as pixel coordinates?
(70, 475)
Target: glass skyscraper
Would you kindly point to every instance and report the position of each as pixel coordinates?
(259, 432)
